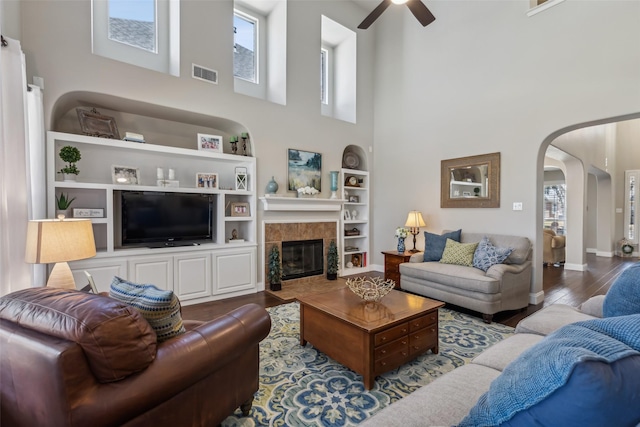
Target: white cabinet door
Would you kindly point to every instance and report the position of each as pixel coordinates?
(192, 275)
(234, 270)
(152, 270)
(102, 271)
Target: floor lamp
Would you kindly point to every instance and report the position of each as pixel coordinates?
(414, 222)
(58, 241)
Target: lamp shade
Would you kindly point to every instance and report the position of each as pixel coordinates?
(55, 240)
(414, 220)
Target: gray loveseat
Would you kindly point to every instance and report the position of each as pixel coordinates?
(449, 399)
(503, 287)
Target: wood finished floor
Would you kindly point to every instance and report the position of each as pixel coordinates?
(560, 287)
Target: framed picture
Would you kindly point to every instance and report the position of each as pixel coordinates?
(206, 180)
(210, 142)
(354, 199)
(125, 175)
(356, 260)
(93, 123)
(304, 169)
(240, 209)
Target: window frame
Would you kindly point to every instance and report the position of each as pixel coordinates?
(166, 59)
(324, 75)
(256, 20)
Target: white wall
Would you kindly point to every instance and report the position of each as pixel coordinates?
(483, 78)
(57, 39)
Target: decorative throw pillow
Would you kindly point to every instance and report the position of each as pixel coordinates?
(487, 255)
(160, 308)
(458, 253)
(623, 296)
(434, 244)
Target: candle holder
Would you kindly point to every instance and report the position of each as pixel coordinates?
(244, 137)
(234, 144)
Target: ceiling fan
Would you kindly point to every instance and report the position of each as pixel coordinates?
(419, 10)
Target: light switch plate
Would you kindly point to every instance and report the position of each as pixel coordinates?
(517, 206)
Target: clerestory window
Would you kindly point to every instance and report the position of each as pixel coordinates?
(145, 33)
(245, 46)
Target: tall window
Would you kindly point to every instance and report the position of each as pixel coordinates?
(324, 76)
(555, 208)
(245, 47)
(145, 33)
(133, 23)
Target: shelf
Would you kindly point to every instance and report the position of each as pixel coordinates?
(355, 221)
(354, 237)
(349, 188)
(300, 204)
(238, 218)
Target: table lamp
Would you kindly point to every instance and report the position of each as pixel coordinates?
(58, 241)
(414, 222)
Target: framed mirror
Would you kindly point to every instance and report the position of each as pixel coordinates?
(470, 182)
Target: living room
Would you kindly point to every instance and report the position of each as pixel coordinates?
(483, 78)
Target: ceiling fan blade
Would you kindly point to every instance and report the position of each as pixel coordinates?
(374, 15)
(421, 12)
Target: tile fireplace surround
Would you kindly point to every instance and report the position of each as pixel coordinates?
(277, 232)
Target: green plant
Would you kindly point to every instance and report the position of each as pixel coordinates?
(332, 258)
(71, 155)
(275, 270)
(63, 202)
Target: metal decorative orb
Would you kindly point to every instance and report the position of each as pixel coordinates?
(370, 288)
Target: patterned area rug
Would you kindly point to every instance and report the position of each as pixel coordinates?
(300, 386)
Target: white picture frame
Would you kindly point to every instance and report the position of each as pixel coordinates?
(125, 175)
(210, 142)
(207, 180)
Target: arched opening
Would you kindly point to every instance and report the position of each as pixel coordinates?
(592, 187)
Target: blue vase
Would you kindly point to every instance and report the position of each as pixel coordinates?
(401, 245)
(272, 186)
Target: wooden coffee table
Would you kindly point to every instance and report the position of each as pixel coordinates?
(369, 338)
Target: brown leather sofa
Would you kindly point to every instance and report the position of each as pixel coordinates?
(69, 358)
(553, 247)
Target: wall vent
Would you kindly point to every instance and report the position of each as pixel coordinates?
(201, 73)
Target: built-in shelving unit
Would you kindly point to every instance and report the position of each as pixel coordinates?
(196, 273)
(354, 240)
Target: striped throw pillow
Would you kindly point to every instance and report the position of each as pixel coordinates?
(159, 307)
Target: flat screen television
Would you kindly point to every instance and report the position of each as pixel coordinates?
(159, 219)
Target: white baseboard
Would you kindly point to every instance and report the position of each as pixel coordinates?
(592, 250)
(604, 254)
(536, 298)
(377, 267)
(575, 267)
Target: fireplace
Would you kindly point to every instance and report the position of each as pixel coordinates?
(302, 258)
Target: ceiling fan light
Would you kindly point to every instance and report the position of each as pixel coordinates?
(399, 1)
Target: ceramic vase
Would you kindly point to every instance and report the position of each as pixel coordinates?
(272, 186)
(334, 184)
(401, 247)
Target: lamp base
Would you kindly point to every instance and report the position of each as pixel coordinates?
(334, 194)
(413, 251)
(61, 277)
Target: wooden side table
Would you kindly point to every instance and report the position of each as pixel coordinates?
(392, 261)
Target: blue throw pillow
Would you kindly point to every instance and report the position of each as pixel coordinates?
(623, 297)
(596, 394)
(159, 307)
(487, 255)
(434, 244)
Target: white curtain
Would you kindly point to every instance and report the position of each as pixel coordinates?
(15, 194)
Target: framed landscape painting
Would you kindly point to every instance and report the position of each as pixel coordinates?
(304, 169)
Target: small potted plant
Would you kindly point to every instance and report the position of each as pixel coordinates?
(70, 155)
(332, 261)
(275, 270)
(63, 203)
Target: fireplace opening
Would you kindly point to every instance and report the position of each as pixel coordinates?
(302, 258)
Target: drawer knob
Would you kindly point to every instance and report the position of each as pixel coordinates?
(384, 338)
(404, 343)
(384, 363)
(404, 353)
(433, 330)
(383, 351)
(404, 330)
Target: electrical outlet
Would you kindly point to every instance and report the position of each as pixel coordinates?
(517, 206)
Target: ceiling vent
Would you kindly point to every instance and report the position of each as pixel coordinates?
(201, 73)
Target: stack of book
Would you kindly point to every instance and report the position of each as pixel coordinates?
(133, 137)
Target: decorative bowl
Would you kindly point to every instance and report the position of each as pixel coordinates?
(370, 288)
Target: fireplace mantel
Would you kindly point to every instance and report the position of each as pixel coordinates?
(301, 204)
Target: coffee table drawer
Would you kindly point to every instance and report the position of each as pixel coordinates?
(397, 346)
(422, 340)
(391, 362)
(391, 334)
(424, 321)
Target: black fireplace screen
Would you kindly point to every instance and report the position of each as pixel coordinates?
(302, 258)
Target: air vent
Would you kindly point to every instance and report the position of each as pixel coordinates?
(205, 74)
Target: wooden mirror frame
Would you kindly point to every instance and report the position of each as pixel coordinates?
(492, 199)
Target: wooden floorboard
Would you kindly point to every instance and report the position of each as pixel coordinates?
(560, 287)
